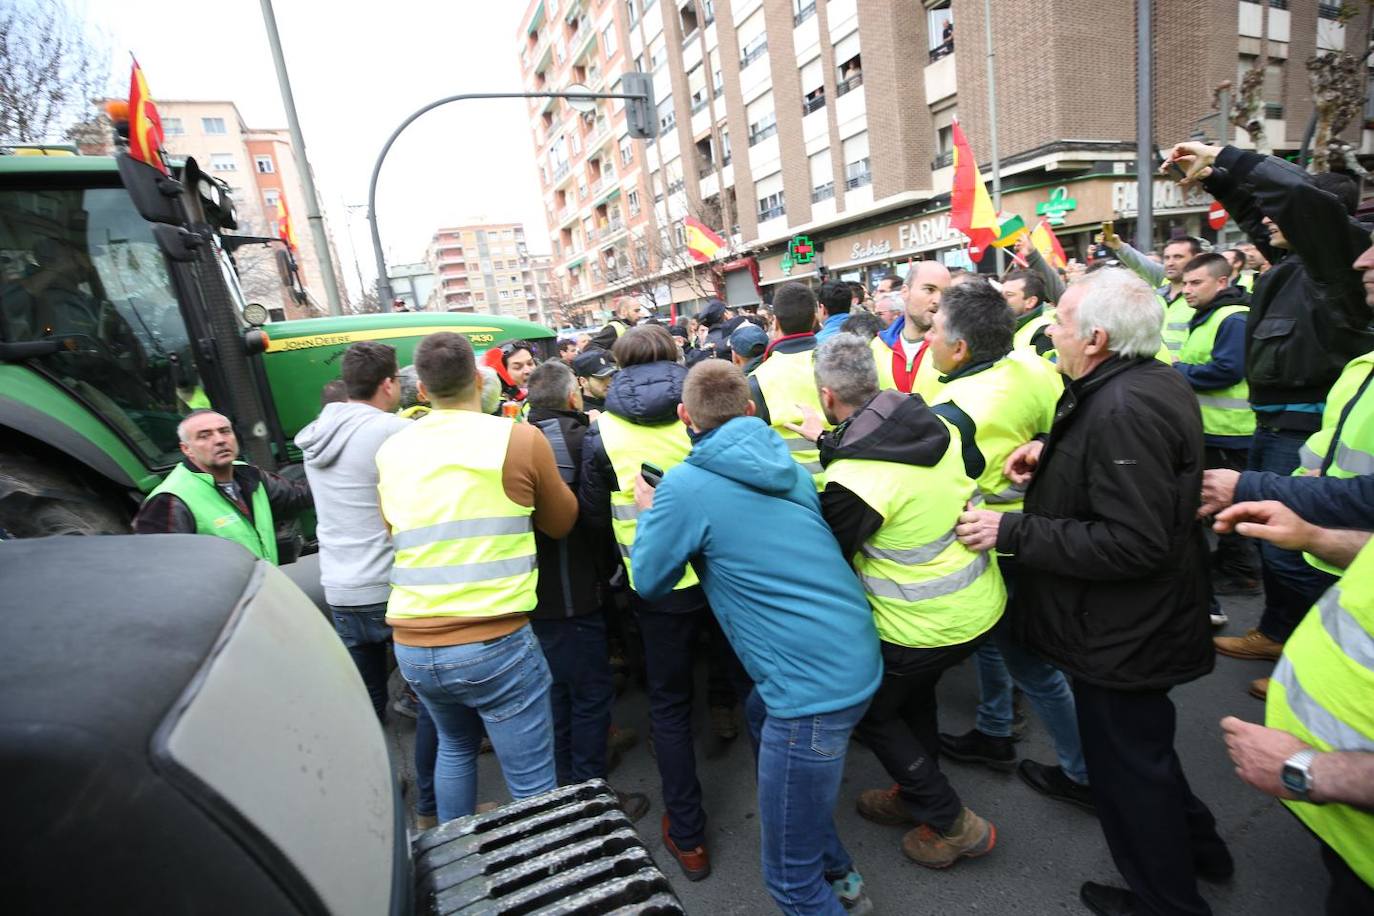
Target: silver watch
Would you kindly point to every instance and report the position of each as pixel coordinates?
(1297, 774)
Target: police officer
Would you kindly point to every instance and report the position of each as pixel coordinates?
(212, 492)
(594, 370)
(784, 382)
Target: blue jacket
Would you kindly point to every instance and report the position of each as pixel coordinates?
(831, 326)
(748, 518)
(1330, 502)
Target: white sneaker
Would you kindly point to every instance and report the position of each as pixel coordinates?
(1220, 620)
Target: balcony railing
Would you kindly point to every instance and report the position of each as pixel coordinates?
(772, 213)
(824, 192)
(763, 132)
(943, 49)
(858, 178)
(850, 84)
(753, 54)
(810, 105)
(804, 13)
(561, 170)
(942, 160)
(1273, 110)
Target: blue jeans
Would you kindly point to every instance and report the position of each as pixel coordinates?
(1002, 660)
(426, 756)
(367, 637)
(1291, 585)
(582, 693)
(503, 683)
(800, 768)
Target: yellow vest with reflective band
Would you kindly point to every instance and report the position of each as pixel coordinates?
(463, 547)
(1320, 692)
(927, 382)
(1246, 280)
(215, 515)
(1023, 339)
(786, 380)
(1225, 411)
(1177, 314)
(628, 445)
(1010, 403)
(926, 589)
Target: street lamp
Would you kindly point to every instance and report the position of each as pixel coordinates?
(640, 122)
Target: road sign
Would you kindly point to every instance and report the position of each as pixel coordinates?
(1217, 215)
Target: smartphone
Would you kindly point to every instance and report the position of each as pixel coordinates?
(1171, 167)
(651, 474)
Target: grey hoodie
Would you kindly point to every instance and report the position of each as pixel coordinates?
(341, 463)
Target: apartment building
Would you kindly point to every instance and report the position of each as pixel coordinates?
(486, 269)
(260, 168)
(826, 125)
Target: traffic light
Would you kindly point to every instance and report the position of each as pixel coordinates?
(640, 115)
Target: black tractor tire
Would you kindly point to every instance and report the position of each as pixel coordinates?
(38, 499)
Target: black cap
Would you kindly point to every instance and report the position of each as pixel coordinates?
(678, 330)
(713, 313)
(593, 363)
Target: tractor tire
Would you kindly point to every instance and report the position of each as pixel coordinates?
(39, 500)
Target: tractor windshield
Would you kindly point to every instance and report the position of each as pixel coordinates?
(81, 263)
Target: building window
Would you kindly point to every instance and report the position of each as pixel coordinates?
(856, 174)
(822, 179)
(632, 201)
(627, 151)
(755, 49)
(764, 128)
(772, 206)
(223, 162)
(264, 164)
(213, 125)
(667, 116)
(270, 197)
(802, 10)
(850, 72)
(724, 147)
(814, 101)
(608, 41)
(688, 15)
(171, 127)
(940, 29)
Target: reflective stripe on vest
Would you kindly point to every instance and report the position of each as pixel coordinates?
(926, 589)
(1177, 315)
(1225, 411)
(1010, 403)
(1348, 423)
(629, 445)
(786, 380)
(463, 547)
(1320, 693)
(216, 515)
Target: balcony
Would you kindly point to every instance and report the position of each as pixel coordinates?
(944, 160)
(761, 132)
(805, 13)
(561, 171)
(846, 86)
(942, 50)
(753, 54)
(941, 77)
(772, 213)
(857, 175)
(824, 192)
(813, 104)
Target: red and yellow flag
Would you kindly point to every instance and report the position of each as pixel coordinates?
(284, 230)
(145, 125)
(702, 243)
(970, 206)
(1045, 242)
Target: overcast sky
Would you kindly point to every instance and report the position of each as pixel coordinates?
(357, 70)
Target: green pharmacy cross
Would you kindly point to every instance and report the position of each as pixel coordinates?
(1057, 206)
(801, 250)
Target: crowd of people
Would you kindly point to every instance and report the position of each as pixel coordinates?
(1020, 470)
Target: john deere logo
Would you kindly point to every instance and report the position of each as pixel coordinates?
(1059, 204)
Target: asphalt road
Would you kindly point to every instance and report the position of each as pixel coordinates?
(1045, 849)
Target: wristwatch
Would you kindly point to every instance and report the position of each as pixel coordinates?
(1297, 774)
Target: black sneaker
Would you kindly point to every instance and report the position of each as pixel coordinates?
(1051, 781)
(1105, 900)
(975, 747)
(1236, 585)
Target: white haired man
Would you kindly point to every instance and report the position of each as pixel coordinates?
(1113, 583)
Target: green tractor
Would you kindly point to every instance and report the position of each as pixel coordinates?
(120, 311)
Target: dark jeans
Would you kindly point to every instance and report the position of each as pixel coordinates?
(1156, 828)
(902, 727)
(1291, 585)
(1349, 895)
(721, 674)
(426, 754)
(582, 693)
(668, 642)
(367, 637)
(1235, 554)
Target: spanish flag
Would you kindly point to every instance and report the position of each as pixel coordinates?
(145, 125)
(1045, 242)
(284, 230)
(970, 206)
(702, 243)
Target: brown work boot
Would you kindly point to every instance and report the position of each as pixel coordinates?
(1253, 645)
(1259, 688)
(970, 837)
(426, 821)
(884, 806)
(695, 863)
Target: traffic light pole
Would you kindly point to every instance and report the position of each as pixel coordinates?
(384, 294)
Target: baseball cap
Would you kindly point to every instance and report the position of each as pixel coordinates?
(713, 313)
(593, 363)
(749, 340)
(678, 330)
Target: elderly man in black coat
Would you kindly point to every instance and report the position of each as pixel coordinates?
(1114, 583)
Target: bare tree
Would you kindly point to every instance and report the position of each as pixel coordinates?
(1338, 95)
(1247, 99)
(52, 70)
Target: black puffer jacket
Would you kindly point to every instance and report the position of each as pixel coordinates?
(648, 395)
(1112, 582)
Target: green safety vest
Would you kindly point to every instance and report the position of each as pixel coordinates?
(1348, 423)
(1025, 334)
(1225, 411)
(1320, 693)
(786, 380)
(1177, 315)
(1010, 403)
(925, 588)
(463, 547)
(628, 445)
(216, 515)
(1246, 280)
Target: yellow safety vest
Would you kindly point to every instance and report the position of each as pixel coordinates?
(1225, 411)
(1024, 337)
(463, 547)
(926, 589)
(786, 380)
(628, 445)
(1010, 403)
(1177, 314)
(927, 381)
(1320, 692)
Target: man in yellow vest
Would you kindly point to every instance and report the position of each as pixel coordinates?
(1024, 292)
(1166, 278)
(1212, 360)
(1316, 748)
(784, 382)
(899, 352)
(462, 492)
(212, 492)
(895, 486)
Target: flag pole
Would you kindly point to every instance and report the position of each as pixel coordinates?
(992, 123)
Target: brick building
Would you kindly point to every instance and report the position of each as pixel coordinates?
(831, 120)
(487, 268)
